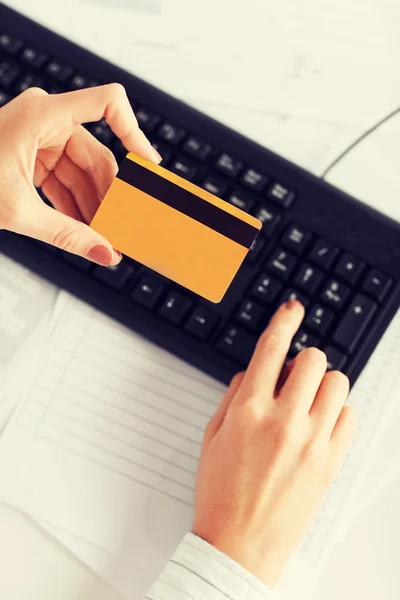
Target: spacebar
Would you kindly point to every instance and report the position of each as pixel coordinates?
(354, 323)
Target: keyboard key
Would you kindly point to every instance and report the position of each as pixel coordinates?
(250, 314)
(349, 268)
(197, 148)
(10, 43)
(269, 218)
(175, 307)
(241, 201)
(147, 119)
(308, 279)
(281, 263)
(354, 322)
(335, 293)
(336, 359)
(228, 165)
(291, 294)
(256, 250)
(34, 57)
(281, 195)
(58, 70)
(4, 98)
(266, 288)
(376, 285)
(237, 344)
(148, 291)
(173, 134)
(9, 71)
(116, 276)
(214, 186)
(319, 319)
(79, 81)
(201, 323)
(77, 261)
(303, 340)
(323, 254)
(102, 132)
(27, 81)
(296, 238)
(184, 168)
(254, 180)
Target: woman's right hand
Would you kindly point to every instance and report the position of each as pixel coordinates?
(271, 451)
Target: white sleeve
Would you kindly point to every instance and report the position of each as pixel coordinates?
(198, 571)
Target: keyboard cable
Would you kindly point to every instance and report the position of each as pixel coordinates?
(358, 141)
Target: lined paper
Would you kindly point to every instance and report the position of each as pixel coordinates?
(121, 406)
(105, 446)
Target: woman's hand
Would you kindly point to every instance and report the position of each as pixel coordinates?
(43, 144)
(271, 450)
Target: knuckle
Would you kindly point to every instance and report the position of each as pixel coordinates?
(338, 380)
(67, 239)
(285, 433)
(270, 341)
(314, 356)
(33, 92)
(249, 414)
(116, 89)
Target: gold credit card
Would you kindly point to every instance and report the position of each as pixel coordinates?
(175, 227)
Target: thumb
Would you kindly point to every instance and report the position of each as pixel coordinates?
(55, 228)
(217, 420)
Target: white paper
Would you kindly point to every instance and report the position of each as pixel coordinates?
(34, 566)
(105, 448)
(26, 305)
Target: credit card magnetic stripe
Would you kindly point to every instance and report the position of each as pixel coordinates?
(188, 203)
(175, 228)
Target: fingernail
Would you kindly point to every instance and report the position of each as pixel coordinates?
(157, 155)
(100, 255)
(292, 304)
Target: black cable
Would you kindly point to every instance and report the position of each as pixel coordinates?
(358, 140)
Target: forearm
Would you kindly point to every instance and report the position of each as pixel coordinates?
(198, 571)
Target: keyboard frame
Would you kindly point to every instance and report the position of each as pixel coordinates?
(327, 212)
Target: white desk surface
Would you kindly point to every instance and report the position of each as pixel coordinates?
(365, 565)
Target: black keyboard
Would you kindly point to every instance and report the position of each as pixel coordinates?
(339, 257)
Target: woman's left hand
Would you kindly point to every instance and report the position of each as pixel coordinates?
(43, 144)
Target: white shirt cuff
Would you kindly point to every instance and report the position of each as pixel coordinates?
(198, 571)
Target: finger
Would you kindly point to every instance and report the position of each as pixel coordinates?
(80, 185)
(48, 225)
(60, 197)
(93, 158)
(283, 377)
(266, 364)
(219, 416)
(303, 382)
(111, 102)
(329, 401)
(343, 433)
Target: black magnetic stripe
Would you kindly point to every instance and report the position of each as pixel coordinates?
(187, 203)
